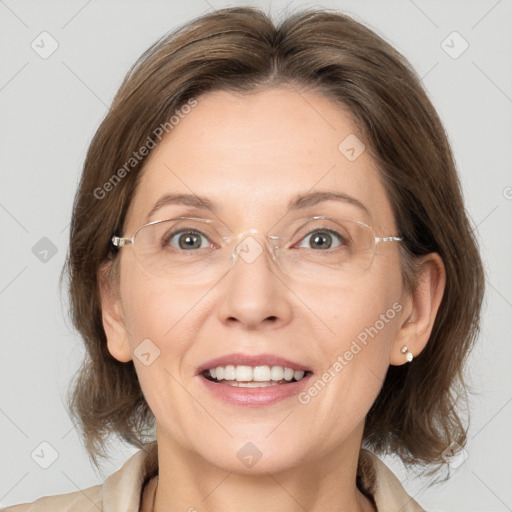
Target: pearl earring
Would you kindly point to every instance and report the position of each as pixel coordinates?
(408, 354)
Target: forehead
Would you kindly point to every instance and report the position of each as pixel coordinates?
(250, 154)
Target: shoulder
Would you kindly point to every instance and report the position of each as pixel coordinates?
(121, 491)
(86, 500)
(378, 481)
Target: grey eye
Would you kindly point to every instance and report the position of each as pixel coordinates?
(186, 240)
(322, 239)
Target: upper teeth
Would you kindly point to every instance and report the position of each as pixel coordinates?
(256, 373)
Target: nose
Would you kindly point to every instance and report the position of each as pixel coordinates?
(254, 295)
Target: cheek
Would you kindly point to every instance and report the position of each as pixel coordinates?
(363, 319)
(158, 320)
(154, 308)
(366, 309)
(363, 309)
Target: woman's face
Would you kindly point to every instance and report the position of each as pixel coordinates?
(250, 156)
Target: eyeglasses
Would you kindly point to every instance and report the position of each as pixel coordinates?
(193, 250)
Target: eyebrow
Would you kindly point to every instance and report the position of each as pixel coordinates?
(300, 201)
(191, 200)
(313, 198)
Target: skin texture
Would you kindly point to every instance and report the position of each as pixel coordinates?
(251, 154)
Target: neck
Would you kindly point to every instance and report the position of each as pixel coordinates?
(188, 482)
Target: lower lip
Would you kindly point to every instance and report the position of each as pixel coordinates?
(254, 397)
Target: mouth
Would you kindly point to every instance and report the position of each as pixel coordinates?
(253, 380)
(244, 376)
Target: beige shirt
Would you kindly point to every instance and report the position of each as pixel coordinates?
(121, 491)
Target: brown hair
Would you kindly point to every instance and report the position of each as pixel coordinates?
(242, 50)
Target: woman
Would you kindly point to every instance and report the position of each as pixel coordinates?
(271, 264)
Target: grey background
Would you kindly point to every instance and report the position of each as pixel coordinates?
(50, 108)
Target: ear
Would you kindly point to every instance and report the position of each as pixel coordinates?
(420, 309)
(112, 317)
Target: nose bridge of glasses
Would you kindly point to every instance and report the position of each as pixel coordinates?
(251, 243)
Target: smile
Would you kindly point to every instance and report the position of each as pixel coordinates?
(253, 376)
